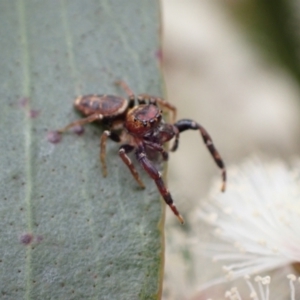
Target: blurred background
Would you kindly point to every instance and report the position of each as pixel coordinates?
(232, 66)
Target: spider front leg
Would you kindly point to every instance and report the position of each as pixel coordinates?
(186, 124)
(156, 176)
(159, 148)
(123, 151)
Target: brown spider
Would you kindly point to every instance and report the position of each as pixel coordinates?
(142, 128)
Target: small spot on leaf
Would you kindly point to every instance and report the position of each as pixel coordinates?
(26, 238)
(39, 238)
(34, 113)
(78, 129)
(159, 55)
(24, 101)
(53, 137)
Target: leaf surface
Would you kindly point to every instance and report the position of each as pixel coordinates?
(67, 232)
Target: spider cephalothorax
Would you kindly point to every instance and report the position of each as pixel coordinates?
(142, 130)
(142, 118)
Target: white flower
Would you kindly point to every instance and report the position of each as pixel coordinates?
(257, 220)
(263, 292)
(260, 290)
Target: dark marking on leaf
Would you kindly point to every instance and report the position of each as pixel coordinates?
(159, 55)
(34, 113)
(79, 130)
(53, 137)
(26, 238)
(24, 101)
(39, 238)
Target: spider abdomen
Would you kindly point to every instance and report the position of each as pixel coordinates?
(106, 105)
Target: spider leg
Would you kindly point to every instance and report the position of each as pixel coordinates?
(81, 122)
(176, 141)
(128, 91)
(143, 98)
(159, 148)
(186, 124)
(156, 176)
(123, 151)
(113, 136)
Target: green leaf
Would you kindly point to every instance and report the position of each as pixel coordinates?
(67, 232)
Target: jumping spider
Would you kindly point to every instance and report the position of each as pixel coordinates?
(137, 123)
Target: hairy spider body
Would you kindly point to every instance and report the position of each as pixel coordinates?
(139, 126)
(106, 105)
